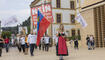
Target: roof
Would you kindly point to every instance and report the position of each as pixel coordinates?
(33, 3)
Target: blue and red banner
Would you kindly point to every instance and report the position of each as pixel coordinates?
(42, 25)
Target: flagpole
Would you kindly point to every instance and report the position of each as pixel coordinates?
(51, 21)
(51, 26)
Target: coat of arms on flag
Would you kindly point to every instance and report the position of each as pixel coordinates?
(42, 25)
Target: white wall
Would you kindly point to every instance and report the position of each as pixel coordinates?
(65, 15)
(64, 3)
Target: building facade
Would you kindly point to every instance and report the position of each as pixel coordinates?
(63, 13)
(93, 12)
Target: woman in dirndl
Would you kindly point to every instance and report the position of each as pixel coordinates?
(61, 47)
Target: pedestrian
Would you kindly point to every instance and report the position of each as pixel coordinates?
(47, 42)
(22, 40)
(40, 45)
(61, 46)
(76, 43)
(7, 43)
(1, 45)
(71, 43)
(43, 43)
(56, 42)
(56, 39)
(35, 45)
(26, 44)
(18, 43)
(32, 40)
(12, 42)
(92, 42)
(88, 42)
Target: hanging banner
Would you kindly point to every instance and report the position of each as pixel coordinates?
(45, 9)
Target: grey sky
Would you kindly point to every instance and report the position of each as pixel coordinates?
(19, 8)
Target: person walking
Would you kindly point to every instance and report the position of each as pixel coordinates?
(18, 43)
(47, 42)
(22, 40)
(32, 40)
(40, 45)
(92, 42)
(43, 43)
(56, 42)
(26, 44)
(71, 43)
(76, 43)
(61, 46)
(7, 43)
(56, 39)
(88, 42)
(1, 45)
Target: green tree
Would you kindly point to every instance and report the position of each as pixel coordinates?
(6, 34)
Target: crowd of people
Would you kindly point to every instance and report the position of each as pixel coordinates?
(24, 42)
(74, 42)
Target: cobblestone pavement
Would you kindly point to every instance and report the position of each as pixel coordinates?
(81, 54)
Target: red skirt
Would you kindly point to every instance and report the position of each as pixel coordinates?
(61, 48)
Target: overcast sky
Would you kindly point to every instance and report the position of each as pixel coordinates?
(19, 8)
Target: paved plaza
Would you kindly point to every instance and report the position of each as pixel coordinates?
(81, 54)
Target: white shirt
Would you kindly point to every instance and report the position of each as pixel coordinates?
(18, 38)
(32, 39)
(71, 41)
(42, 40)
(91, 38)
(22, 40)
(46, 39)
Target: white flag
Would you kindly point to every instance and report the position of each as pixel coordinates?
(81, 20)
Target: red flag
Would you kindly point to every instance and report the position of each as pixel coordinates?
(43, 25)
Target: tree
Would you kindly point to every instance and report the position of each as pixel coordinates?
(6, 34)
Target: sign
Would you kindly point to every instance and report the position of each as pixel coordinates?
(45, 9)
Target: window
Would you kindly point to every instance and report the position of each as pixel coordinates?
(79, 35)
(58, 4)
(73, 32)
(72, 6)
(78, 32)
(72, 18)
(58, 16)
